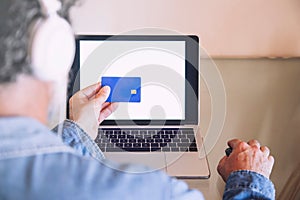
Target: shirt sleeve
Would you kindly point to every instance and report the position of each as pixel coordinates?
(75, 137)
(244, 184)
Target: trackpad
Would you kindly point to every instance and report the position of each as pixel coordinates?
(156, 161)
(187, 165)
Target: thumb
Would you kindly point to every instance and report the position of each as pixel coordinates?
(102, 95)
(221, 164)
(221, 168)
(89, 91)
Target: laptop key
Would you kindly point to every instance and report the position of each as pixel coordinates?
(109, 132)
(101, 145)
(182, 149)
(141, 140)
(192, 149)
(160, 132)
(167, 140)
(127, 145)
(114, 140)
(129, 136)
(154, 145)
(120, 145)
(113, 149)
(183, 144)
(150, 140)
(174, 149)
(131, 140)
(97, 140)
(193, 144)
(123, 140)
(139, 150)
(136, 145)
(152, 132)
(163, 144)
(113, 136)
(182, 136)
(185, 140)
(175, 140)
(165, 136)
(101, 136)
(145, 145)
(166, 149)
(153, 149)
(172, 144)
(158, 140)
(191, 137)
(121, 136)
(109, 145)
(105, 140)
(145, 149)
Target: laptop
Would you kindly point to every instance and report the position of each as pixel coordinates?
(155, 80)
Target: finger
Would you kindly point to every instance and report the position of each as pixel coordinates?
(102, 95)
(105, 112)
(221, 168)
(222, 163)
(271, 164)
(105, 104)
(254, 143)
(237, 144)
(271, 160)
(90, 91)
(234, 143)
(265, 150)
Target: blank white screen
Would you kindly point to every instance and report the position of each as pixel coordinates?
(160, 64)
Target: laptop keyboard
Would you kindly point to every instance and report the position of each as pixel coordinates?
(146, 140)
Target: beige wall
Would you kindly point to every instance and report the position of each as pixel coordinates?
(235, 28)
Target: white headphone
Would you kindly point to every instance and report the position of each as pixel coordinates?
(52, 44)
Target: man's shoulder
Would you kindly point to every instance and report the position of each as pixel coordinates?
(67, 173)
(22, 136)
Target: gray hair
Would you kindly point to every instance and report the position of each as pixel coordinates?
(16, 16)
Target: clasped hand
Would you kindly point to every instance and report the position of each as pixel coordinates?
(246, 156)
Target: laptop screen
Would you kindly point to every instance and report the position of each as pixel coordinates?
(159, 62)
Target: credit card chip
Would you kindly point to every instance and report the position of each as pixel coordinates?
(133, 92)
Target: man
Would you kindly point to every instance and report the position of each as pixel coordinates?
(36, 163)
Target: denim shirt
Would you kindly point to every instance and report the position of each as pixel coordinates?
(36, 163)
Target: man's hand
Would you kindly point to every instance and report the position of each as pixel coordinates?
(246, 156)
(88, 108)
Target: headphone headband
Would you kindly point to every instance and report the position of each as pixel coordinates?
(52, 44)
(50, 7)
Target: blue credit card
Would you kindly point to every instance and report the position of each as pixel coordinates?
(123, 89)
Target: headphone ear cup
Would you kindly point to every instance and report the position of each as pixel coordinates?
(52, 48)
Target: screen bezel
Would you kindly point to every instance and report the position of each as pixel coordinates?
(191, 75)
